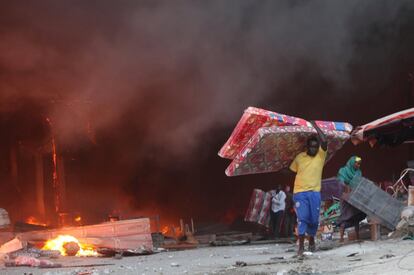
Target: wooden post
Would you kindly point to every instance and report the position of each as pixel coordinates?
(192, 226)
(375, 231)
(62, 183)
(182, 226)
(39, 179)
(173, 231)
(157, 221)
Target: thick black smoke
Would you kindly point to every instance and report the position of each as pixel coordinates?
(157, 86)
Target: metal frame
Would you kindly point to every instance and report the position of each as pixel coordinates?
(399, 184)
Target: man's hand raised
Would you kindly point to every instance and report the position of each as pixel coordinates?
(321, 136)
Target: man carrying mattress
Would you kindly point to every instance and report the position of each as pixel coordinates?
(308, 167)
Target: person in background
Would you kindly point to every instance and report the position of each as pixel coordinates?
(290, 215)
(277, 210)
(308, 167)
(350, 216)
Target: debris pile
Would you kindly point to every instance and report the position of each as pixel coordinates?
(405, 227)
(38, 248)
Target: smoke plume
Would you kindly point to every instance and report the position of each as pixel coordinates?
(157, 86)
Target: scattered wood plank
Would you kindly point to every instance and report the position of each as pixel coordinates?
(229, 243)
(11, 246)
(6, 236)
(26, 227)
(127, 242)
(205, 239)
(234, 237)
(110, 234)
(230, 233)
(279, 241)
(181, 246)
(85, 265)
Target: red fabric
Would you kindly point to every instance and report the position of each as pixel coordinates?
(274, 148)
(26, 261)
(32, 262)
(390, 119)
(254, 118)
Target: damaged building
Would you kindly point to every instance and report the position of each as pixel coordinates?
(125, 130)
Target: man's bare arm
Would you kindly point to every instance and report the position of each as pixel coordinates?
(321, 136)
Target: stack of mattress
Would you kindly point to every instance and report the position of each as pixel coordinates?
(265, 141)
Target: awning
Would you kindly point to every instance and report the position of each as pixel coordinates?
(390, 130)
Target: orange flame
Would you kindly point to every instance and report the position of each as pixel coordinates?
(165, 230)
(61, 240)
(171, 231)
(34, 221)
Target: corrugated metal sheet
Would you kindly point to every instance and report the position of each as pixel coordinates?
(375, 202)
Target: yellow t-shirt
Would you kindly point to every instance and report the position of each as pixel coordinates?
(308, 171)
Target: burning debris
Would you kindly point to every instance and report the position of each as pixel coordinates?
(124, 237)
(124, 234)
(61, 148)
(34, 221)
(70, 246)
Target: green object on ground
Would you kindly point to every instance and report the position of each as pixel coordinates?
(335, 208)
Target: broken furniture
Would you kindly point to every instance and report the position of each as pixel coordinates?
(375, 202)
(119, 235)
(399, 186)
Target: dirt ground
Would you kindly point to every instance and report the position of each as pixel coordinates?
(381, 257)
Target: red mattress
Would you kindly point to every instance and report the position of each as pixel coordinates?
(265, 141)
(259, 208)
(274, 148)
(254, 118)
